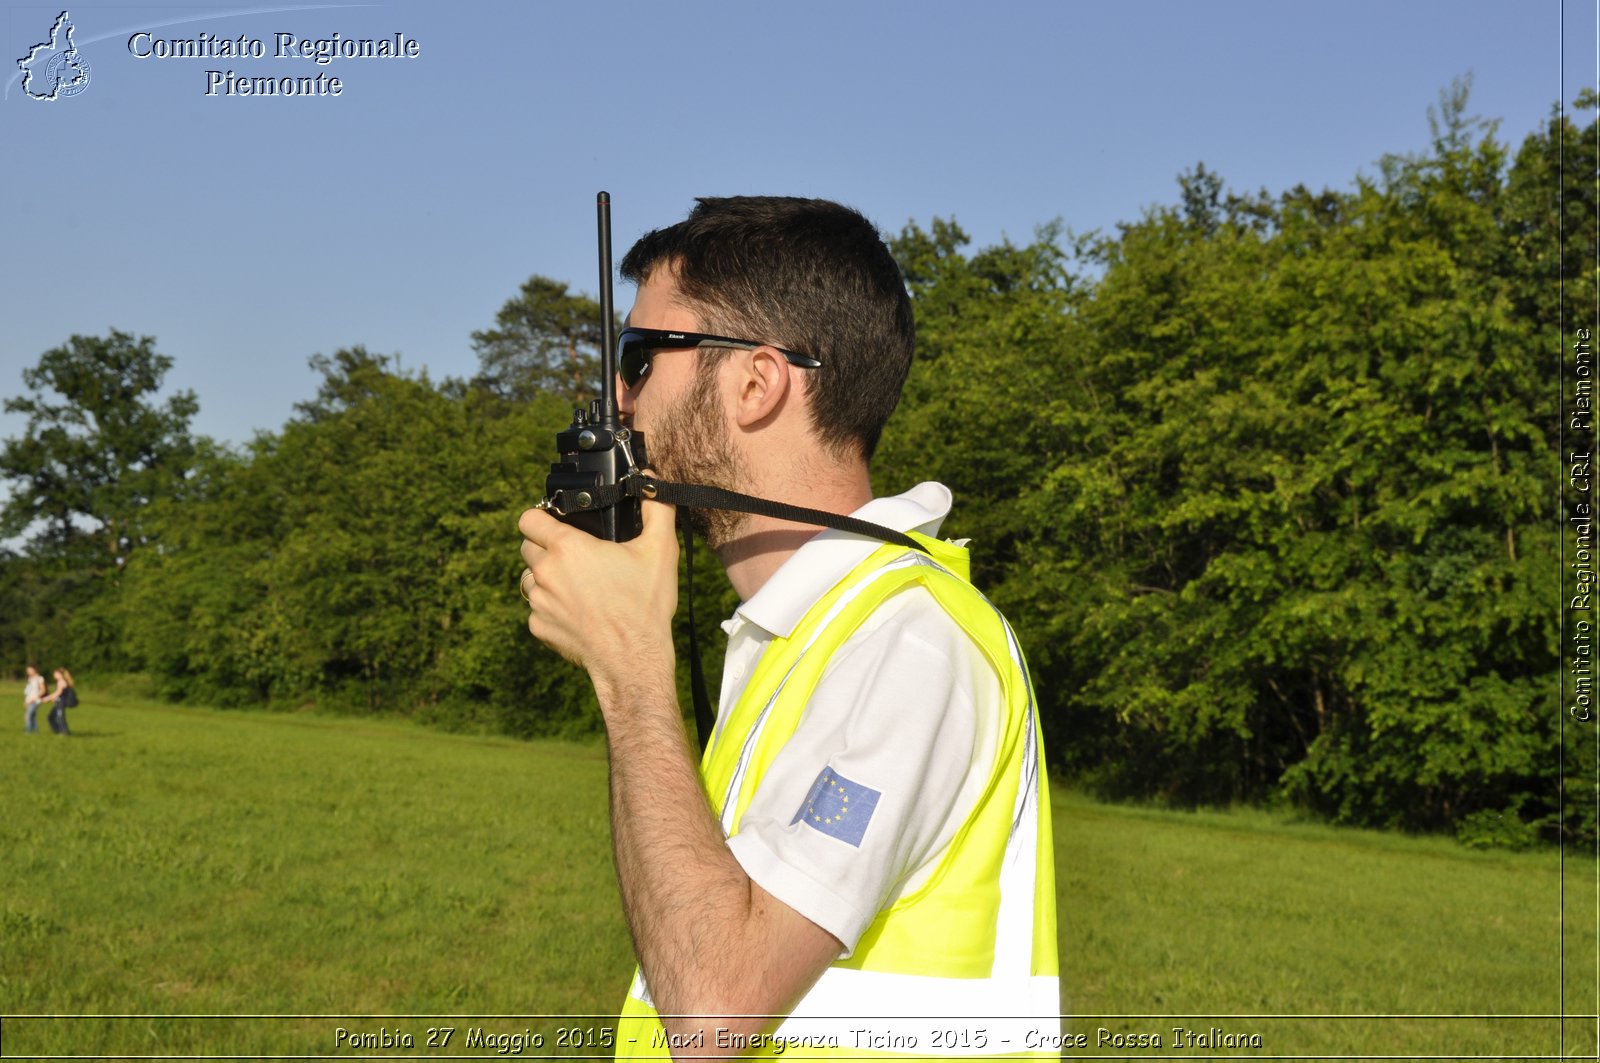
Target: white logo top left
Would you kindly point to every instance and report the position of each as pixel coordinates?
(54, 69)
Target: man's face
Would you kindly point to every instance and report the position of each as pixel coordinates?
(676, 406)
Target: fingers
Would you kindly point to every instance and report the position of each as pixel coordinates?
(539, 529)
(539, 526)
(660, 519)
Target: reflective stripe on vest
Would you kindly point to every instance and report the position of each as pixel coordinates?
(914, 1010)
(977, 938)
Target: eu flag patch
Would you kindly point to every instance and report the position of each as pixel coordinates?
(838, 807)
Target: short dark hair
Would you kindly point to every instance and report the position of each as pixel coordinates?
(806, 274)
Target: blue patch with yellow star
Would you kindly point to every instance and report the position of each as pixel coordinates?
(838, 807)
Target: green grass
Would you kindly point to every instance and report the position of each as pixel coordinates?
(1247, 913)
(181, 861)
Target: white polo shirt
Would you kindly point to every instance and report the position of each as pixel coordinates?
(908, 708)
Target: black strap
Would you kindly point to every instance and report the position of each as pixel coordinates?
(703, 719)
(697, 497)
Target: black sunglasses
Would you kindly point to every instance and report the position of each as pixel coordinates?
(635, 345)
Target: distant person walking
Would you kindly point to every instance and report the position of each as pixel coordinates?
(65, 697)
(32, 694)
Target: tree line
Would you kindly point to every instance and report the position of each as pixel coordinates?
(1264, 481)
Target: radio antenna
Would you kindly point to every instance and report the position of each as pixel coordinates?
(608, 337)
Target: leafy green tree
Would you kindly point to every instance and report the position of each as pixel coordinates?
(195, 615)
(97, 451)
(1551, 243)
(1266, 483)
(351, 376)
(1311, 517)
(1441, 484)
(546, 340)
(990, 330)
(39, 595)
(97, 447)
(363, 559)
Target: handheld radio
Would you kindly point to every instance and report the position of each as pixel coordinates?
(597, 453)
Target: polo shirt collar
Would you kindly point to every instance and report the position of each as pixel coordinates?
(825, 558)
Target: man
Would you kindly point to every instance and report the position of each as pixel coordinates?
(878, 839)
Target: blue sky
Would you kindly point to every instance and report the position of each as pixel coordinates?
(247, 234)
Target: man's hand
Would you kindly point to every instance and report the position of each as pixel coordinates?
(604, 606)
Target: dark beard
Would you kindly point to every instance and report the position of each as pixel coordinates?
(690, 445)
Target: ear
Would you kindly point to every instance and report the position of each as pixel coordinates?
(763, 378)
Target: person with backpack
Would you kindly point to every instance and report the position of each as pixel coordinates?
(62, 698)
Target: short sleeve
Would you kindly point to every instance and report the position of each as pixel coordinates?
(888, 759)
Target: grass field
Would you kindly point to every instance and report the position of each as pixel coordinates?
(174, 861)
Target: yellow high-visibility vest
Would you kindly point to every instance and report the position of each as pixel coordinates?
(964, 966)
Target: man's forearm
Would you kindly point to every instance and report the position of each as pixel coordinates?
(710, 941)
(685, 896)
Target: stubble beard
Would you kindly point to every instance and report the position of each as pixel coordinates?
(691, 445)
